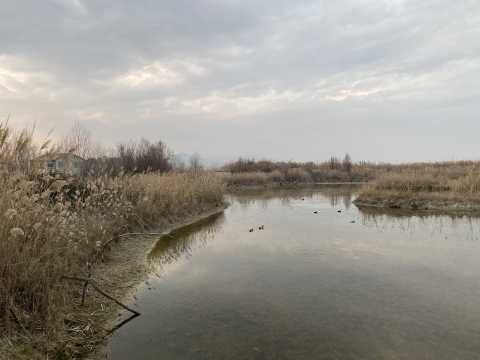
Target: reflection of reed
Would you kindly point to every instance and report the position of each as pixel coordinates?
(334, 194)
(399, 213)
(183, 241)
(435, 224)
(347, 200)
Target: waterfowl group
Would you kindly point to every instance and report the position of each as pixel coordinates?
(261, 227)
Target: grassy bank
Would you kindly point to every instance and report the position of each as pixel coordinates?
(441, 186)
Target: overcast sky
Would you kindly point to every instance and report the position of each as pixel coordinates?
(385, 80)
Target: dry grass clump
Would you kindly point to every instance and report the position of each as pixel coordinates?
(455, 183)
(411, 182)
(35, 250)
(277, 177)
(163, 197)
(430, 181)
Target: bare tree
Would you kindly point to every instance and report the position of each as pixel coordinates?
(78, 141)
(144, 156)
(196, 162)
(333, 163)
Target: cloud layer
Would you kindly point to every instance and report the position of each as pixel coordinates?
(386, 80)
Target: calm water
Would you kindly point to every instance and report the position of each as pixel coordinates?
(349, 285)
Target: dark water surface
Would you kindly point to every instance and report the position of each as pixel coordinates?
(310, 286)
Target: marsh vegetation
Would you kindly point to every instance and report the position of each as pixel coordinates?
(264, 173)
(435, 186)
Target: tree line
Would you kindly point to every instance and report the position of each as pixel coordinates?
(128, 158)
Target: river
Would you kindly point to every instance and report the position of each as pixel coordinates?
(336, 284)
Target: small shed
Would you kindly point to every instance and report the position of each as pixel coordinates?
(61, 164)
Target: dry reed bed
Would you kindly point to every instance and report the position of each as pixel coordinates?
(266, 178)
(41, 242)
(246, 173)
(295, 176)
(302, 175)
(445, 185)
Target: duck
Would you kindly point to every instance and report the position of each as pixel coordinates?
(251, 230)
(339, 211)
(315, 212)
(262, 227)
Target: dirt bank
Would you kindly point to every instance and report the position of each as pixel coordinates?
(419, 201)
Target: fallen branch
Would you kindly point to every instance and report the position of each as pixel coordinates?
(141, 234)
(18, 322)
(124, 322)
(85, 286)
(94, 285)
(105, 245)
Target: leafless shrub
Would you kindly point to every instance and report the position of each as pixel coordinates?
(79, 142)
(144, 157)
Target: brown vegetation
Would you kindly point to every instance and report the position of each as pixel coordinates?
(248, 172)
(446, 185)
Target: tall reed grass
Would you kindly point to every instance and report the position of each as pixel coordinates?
(40, 242)
(453, 181)
(244, 172)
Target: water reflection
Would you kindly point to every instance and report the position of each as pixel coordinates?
(336, 195)
(184, 241)
(439, 225)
